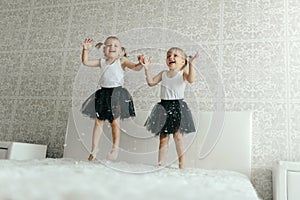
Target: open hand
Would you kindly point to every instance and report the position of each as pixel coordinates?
(87, 43)
(192, 58)
(145, 62)
(140, 58)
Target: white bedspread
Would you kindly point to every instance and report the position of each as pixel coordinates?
(66, 179)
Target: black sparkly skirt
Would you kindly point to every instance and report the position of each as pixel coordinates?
(109, 104)
(169, 116)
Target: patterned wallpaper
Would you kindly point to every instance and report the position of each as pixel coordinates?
(252, 45)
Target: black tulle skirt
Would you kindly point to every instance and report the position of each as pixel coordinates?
(109, 104)
(169, 116)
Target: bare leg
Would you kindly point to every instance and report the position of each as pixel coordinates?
(116, 134)
(179, 148)
(98, 128)
(163, 148)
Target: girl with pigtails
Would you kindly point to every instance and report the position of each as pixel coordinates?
(111, 102)
(171, 116)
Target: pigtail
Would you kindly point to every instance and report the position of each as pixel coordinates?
(186, 61)
(124, 50)
(185, 64)
(98, 45)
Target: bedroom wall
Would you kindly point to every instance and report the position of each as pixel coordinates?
(255, 45)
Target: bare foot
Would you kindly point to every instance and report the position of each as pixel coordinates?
(91, 157)
(113, 154)
(181, 165)
(159, 164)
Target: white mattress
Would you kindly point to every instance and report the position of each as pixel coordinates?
(68, 179)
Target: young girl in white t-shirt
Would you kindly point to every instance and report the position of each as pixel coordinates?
(171, 116)
(112, 102)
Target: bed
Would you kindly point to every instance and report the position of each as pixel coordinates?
(286, 180)
(218, 165)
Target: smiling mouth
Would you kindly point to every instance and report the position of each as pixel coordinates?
(172, 62)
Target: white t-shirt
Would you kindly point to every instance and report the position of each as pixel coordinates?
(111, 75)
(172, 88)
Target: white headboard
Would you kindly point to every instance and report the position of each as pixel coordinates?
(222, 141)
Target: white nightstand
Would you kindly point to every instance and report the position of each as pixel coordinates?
(22, 151)
(286, 181)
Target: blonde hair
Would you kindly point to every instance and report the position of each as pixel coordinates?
(183, 54)
(99, 44)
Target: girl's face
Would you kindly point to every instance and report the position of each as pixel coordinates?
(112, 48)
(175, 59)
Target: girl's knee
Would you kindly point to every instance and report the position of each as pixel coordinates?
(99, 122)
(177, 135)
(164, 140)
(115, 122)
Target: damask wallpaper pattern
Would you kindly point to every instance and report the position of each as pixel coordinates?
(254, 45)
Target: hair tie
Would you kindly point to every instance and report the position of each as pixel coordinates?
(98, 45)
(124, 50)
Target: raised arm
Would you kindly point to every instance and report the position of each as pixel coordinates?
(190, 76)
(86, 44)
(152, 81)
(134, 66)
